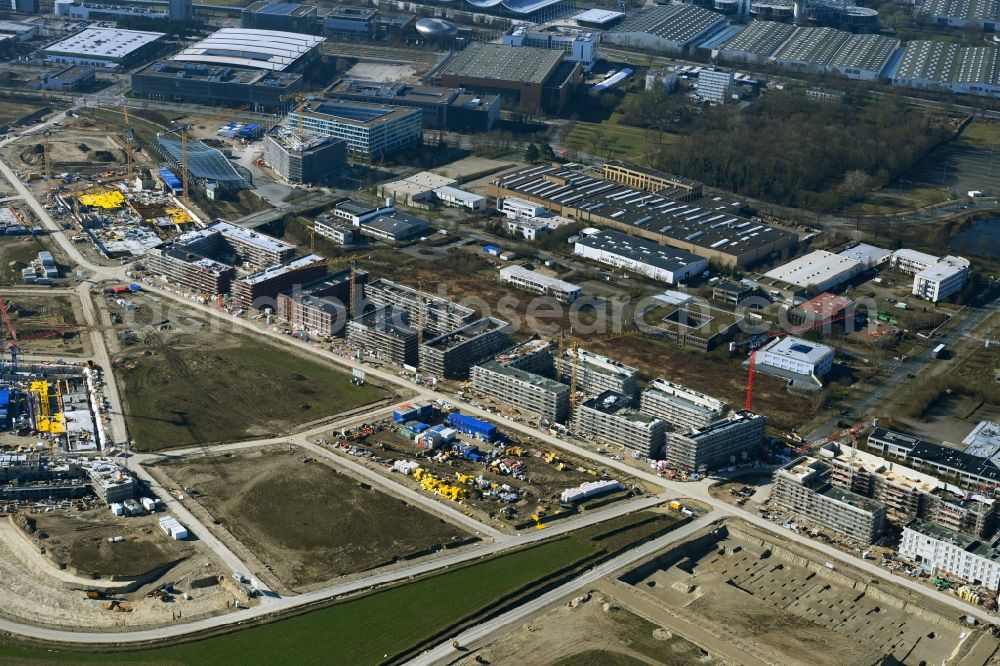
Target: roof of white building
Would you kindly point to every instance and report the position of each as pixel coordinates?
(272, 50)
(533, 276)
(104, 42)
(816, 268)
(867, 254)
(798, 349)
(914, 255)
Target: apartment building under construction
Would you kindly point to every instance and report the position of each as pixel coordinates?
(385, 334)
(454, 353)
(524, 390)
(596, 374)
(439, 314)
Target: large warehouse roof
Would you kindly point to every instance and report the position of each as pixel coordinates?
(259, 49)
(108, 43)
(640, 250)
(812, 45)
(526, 64)
(928, 61)
(865, 52)
(762, 38)
(522, 7)
(676, 23)
(816, 268)
(969, 10)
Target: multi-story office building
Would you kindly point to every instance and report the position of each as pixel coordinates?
(191, 271)
(261, 289)
(911, 262)
(950, 553)
(684, 409)
(610, 417)
(305, 159)
(335, 230)
(938, 282)
(796, 356)
(519, 276)
(577, 45)
(385, 333)
(217, 85)
(452, 354)
(802, 488)
(733, 439)
(440, 315)
(524, 390)
(442, 108)
(596, 373)
(286, 16)
(370, 130)
(351, 23)
(321, 306)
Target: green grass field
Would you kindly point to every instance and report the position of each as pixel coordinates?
(614, 140)
(894, 200)
(355, 632)
(981, 134)
(188, 393)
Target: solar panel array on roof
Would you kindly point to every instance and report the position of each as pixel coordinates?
(363, 114)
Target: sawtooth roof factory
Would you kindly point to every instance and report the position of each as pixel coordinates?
(104, 47)
(668, 28)
(863, 57)
(531, 79)
(707, 227)
(961, 13)
(973, 70)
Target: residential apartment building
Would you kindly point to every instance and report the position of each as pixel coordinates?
(802, 488)
(190, 271)
(386, 334)
(610, 417)
(524, 390)
(731, 440)
(970, 469)
(261, 289)
(320, 307)
(684, 409)
(221, 239)
(440, 315)
(596, 373)
(950, 553)
(453, 354)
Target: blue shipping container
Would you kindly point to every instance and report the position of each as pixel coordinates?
(472, 426)
(419, 427)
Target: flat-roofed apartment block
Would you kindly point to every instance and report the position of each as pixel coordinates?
(452, 354)
(802, 488)
(519, 276)
(255, 250)
(596, 373)
(440, 315)
(531, 356)
(321, 306)
(610, 417)
(909, 494)
(217, 85)
(976, 466)
(305, 159)
(730, 440)
(524, 390)
(651, 180)
(178, 266)
(385, 333)
(710, 227)
(952, 553)
(370, 130)
(261, 289)
(684, 409)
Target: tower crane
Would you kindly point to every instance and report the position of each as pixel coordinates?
(184, 164)
(11, 347)
(420, 323)
(129, 138)
(48, 165)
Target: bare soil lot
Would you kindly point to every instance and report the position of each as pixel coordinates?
(307, 521)
(597, 632)
(48, 324)
(198, 386)
(777, 601)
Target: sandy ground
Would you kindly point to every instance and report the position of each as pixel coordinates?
(379, 71)
(29, 593)
(783, 608)
(595, 631)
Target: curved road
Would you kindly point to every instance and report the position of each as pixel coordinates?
(273, 605)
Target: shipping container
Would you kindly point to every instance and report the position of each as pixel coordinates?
(472, 426)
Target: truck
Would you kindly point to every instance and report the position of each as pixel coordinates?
(675, 505)
(938, 351)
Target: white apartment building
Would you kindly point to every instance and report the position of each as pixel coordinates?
(941, 280)
(519, 209)
(911, 262)
(715, 85)
(561, 290)
(952, 553)
(797, 356)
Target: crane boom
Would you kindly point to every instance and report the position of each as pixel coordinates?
(753, 359)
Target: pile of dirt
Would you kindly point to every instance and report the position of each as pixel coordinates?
(102, 156)
(25, 522)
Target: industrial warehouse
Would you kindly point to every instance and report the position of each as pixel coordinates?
(705, 227)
